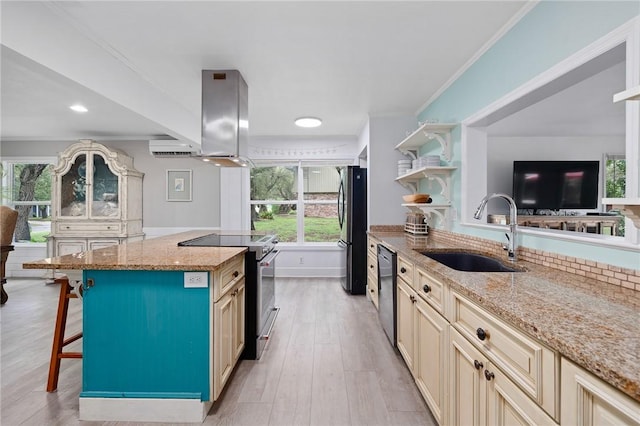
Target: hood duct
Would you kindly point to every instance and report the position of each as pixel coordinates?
(225, 123)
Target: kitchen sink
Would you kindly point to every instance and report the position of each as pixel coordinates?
(470, 262)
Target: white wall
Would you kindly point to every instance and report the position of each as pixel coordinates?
(502, 151)
(217, 203)
(384, 194)
(203, 211)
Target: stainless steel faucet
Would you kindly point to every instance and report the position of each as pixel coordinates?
(511, 246)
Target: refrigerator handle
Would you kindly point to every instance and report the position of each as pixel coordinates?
(341, 200)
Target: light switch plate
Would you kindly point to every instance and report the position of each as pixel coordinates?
(195, 279)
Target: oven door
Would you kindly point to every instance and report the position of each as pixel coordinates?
(266, 295)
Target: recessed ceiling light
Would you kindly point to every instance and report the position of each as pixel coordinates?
(308, 122)
(78, 108)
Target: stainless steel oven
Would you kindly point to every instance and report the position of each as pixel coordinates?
(260, 282)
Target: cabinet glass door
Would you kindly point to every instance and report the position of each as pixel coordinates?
(105, 189)
(73, 189)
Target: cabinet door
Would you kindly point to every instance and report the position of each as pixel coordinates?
(238, 315)
(223, 350)
(73, 189)
(587, 400)
(430, 358)
(104, 191)
(94, 244)
(508, 405)
(70, 246)
(468, 388)
(404, 322)
(372, 277)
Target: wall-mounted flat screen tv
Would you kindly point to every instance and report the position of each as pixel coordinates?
(555, 185)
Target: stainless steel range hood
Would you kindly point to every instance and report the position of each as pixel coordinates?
(225, 123)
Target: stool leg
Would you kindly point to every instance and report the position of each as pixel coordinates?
(58, 335)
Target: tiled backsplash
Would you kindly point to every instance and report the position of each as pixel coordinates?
(628, 278)
(623, 277)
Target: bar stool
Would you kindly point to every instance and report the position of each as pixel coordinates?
(59, 341)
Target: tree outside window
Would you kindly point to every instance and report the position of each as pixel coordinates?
(615, 181)
(296, 209)
(27, 189)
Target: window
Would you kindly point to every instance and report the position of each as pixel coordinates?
(615, 176)
(26, 187)
(615, 171)
(298, 202)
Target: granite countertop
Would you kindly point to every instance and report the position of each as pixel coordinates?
(594, 324)
(155, 254)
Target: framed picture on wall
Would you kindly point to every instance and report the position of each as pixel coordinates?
(179, 185)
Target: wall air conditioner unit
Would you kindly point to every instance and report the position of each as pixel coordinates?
(172, 148)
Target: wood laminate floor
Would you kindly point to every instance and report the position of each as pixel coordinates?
(328, 363)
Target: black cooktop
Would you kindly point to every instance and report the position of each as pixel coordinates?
(217, 240)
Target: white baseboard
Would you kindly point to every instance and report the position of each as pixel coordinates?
(143, 410)
(311, 272)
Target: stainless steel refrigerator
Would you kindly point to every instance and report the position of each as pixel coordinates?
(352, 217)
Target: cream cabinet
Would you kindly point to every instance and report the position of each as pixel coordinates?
(228, 337)
(423, 341)
(228, 294)
(587, 400)
(480, 394)
(372, 270)
(431, 344)
(96, 199)
(405, 298)
(529, 364)
(471, 367)
(431, 290)
(474, 368)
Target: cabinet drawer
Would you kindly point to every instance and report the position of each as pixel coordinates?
(430, 290)
(79, 228)
(405, 270)
(227, 276)
(372, 246)
(529, 364)
(372, 264)
(372, 284)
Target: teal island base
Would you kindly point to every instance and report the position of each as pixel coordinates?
(147, 347)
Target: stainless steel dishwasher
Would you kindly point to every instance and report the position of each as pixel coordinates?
(387, 291)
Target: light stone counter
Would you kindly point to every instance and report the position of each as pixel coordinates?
(156, 254)
(596, 325)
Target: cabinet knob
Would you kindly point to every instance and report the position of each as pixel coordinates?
(413, 299)
(403, 270)
(488, 375)
(371, 266)
(426, 288)
(477, 364)
(235, 274)
(481, 334)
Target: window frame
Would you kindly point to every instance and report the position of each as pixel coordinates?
(7, 188)
(300, 202)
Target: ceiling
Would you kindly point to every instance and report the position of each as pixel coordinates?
(340, 61)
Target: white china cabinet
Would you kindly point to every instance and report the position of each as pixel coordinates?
(97, 199)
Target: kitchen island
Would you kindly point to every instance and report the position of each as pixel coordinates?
(162, 327)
